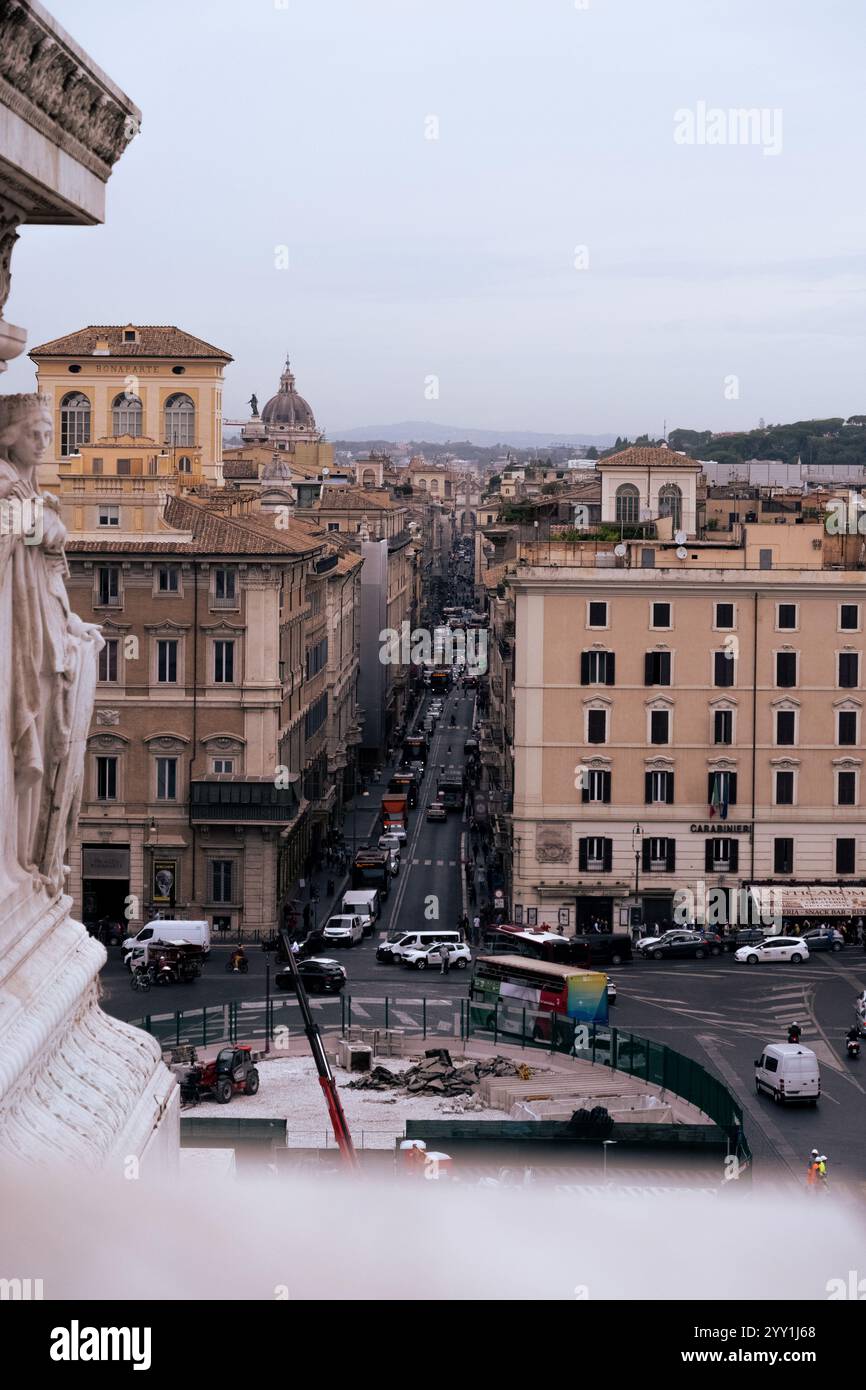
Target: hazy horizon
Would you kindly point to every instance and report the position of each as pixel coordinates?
(560, 127)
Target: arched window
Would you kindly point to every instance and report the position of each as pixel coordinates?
(74, 422)
(184, 464)
(671, 503)
(368, 478)
(179, 420)
(126, 415)
(627, 503)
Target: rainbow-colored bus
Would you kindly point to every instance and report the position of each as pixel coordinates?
(518, 998)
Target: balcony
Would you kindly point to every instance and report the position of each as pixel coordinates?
(240, 802)
(230, 601)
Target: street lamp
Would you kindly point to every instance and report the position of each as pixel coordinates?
(636, 840)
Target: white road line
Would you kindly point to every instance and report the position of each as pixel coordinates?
(356, 1009)
(440, 863)
(406, 1019)
(427, 863)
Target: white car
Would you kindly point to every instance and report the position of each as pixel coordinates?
(344, 930)
(790, 948)
(430, 957)
(392, 840)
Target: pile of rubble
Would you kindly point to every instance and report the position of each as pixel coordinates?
(437, 1075)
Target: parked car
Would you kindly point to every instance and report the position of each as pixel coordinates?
(344, 930)
(746, 936)
(320, 975)
(436, 811)
(429, 957)
(648, 943)
(828, 939)
(774, 948)
(685, 946)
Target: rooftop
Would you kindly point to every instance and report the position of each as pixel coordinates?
(154, 340)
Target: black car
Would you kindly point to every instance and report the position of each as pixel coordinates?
(691, 947)
(319, 975)
(746, 936)
(827, 940)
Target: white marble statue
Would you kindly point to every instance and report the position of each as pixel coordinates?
(49, 663)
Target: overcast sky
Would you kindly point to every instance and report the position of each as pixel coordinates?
(303, 125)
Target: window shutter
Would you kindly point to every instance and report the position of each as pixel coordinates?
(605, 787)
(584, 793)
(710, 776)
(607, 856)
(734, 861)
(646, 856)
(610, 670)
(582, 856)
(708, 856)
(732, 785)
(670, 788)
(664, 668)
(584, 668)
(671, 855)
(648, 669)
(647, 787)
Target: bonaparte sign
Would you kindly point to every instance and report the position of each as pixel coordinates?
(719, 828)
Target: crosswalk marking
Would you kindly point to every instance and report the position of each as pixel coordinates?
(406, 1019)
(440, 863)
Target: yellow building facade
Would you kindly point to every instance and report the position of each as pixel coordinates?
(155, 385)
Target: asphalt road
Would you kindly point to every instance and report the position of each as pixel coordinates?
(717, 1011)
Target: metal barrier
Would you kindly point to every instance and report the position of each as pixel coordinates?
(276, 1021)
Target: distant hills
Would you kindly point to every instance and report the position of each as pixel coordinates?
(427, 432)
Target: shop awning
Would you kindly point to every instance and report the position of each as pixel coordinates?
(817, 902)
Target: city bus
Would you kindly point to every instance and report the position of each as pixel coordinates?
(370, 870)
(519, 997)
(607, 948)
(451, 788)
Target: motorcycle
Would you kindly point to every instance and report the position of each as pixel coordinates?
(242, 966)
(853, 1047)
(141, 979)
(793, 1035)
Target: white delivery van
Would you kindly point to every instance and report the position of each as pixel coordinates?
(344, 930)
(788, 1071)
(393, 950)
(169, 930)
(364, 903)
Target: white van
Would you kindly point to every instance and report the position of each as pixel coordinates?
(344, 930)
(393, 950)
(788, 1071)
(171, 930)
(364, 903)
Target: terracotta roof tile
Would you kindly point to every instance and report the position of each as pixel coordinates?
(647, 458)
(155, 340)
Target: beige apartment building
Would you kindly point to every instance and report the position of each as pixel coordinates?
(676, 715)
(224, 711)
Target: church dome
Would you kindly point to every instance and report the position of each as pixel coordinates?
(287, 410)
(277, 470)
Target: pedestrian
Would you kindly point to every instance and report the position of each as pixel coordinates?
(445, 959)
(476, 928)
(464, 923)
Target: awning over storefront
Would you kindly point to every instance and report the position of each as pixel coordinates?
(817, 902)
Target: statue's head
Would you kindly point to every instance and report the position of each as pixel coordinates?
(26, 428)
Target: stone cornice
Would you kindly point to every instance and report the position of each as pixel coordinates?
(52, 84)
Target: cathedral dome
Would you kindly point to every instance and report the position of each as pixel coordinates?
(287, 410)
